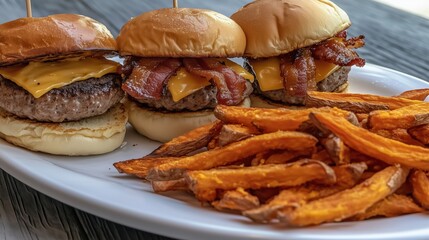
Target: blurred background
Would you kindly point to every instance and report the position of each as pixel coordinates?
(419, 7)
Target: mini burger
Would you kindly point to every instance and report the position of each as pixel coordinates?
(58, 93)
(295, 46)
(176, 69)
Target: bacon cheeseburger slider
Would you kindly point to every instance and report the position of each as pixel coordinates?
(176, 69)
(294, 46)
(58, 93)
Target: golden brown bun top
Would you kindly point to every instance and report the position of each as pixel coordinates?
(48, 37)
(275, 27)
(181, 32)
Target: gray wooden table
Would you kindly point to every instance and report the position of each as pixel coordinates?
(395, 39)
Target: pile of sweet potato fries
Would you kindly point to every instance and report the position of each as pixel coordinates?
(342, 157)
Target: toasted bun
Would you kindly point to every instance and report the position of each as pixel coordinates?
(262, 102)
(275, 27)
(90, 136)
(181, 32)
(162, 127)
(48, 37)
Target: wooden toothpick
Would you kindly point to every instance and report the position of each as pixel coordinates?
(29, 14)
(175, 5)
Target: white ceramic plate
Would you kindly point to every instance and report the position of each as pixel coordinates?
(93, 185)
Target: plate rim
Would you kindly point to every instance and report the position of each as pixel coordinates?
(66, 192)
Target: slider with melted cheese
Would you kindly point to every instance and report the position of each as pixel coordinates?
(176, 69)
(294, 46)
(58, 93)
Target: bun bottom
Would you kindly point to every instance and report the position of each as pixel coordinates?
(262, 102)
(90, 136)
(162, 127)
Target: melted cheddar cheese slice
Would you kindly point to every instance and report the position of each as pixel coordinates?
(184, 83)
(40, 77)
(268, 74)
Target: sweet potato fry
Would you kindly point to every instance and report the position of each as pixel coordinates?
(294, 119)
(172, 185)
(373, 164)
(336, 149)
(245, 116)
(420, 183)
(393, 205)
(323, 156)
(405, 117)
(265, 194)
(349, 202)
(189, 142)
(271, 120)
(384, 149)
(347, 176)
(362, 116)
(421, 133)
(287, 156)
(399, 134)
(205, 183)
(415, 94)
(279, 157)
(230, 133)
(233, 152)
(140, 167)
(236, 200)
(358, 103)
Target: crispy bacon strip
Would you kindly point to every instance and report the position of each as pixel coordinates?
(147, 78)
(339, 52)
(355, 42)
(299, 76)
(230, 85)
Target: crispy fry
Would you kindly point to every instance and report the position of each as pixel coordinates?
(323, 156)
(236, 200)
(295, 119)
(373, 164)
(287, 156)
(415, 94)
(349, 202)
(405, 117)
(336, 149)
(363, 119)
(421, 133)
(278, 157)
(406, 188)
(172, 185)
(271, 120)
(213, 143)
(347, 176)
(420, 183)
(362, 116)
(233, 133)
(358, 103)
(205, 183)
(393, 205)
(235, 151)
(140, 167)
(245, 116)
(189, 142)
(265, 194)
(373, 145)
(398, 134)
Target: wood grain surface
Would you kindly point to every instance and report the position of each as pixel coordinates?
(395, 39)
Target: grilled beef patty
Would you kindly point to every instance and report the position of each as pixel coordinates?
(73, 102)
(329, 84)
(204, 98)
